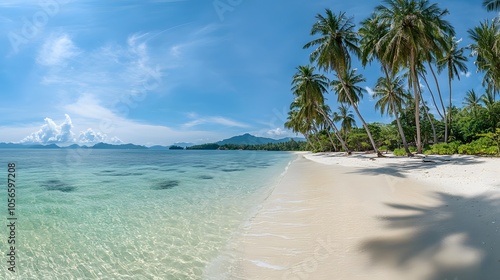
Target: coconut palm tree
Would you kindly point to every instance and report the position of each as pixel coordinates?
(415, 26)
(297, 124)
(391, 97)
(430, 58)
(372, 31)
(346, 119)
(472, 101)
(491, 5)
(488, 99)
(337, 39)
(453, 60)
(348, 91)
(486, 49)
(310, 88)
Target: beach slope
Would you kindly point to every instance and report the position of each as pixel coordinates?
(328, 221)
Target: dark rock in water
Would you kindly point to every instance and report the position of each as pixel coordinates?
(120, 174)
(57, 185)
(232, 169)
(166, 185)
(205, 177)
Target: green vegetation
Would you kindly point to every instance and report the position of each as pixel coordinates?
(284, 146)
(412, 42)
(174, 147)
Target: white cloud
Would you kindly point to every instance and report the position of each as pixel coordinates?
(115, 140)
(215, 120)
(113, 73)
(90, 136)
(467, 75)
(370, 91)
(90, 113)
(57, 50)
(51, 133)
(277, 132)
(88, 106)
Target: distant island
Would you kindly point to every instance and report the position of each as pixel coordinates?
(240, 142)
(250, 142)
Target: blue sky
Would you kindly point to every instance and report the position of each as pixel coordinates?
(164, 71)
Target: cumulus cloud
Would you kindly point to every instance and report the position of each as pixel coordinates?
(56, 50)
(467, 75)
(90, 136)
(51, 133)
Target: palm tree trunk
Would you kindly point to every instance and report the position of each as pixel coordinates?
(401, 132)
(379, 154)
(434, 135)
(331, 140)
(335, 130)
(309, 141)
(449, 84)
(442, 103)
(417, 99)
(318, 140)
(396, 113)
(432, 95)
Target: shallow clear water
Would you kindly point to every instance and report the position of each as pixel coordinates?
(130, 214)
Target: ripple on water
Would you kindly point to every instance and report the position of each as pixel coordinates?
(115, 173)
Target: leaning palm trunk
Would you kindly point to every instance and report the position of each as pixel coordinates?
(308, 136)
(432, 96)
(335, 131)
(331, 140)
(442, 104)
(417, 99)
(401, 132)
(450, 111)
(434, 135)
(396, 113)
(379, 154)
(321, 147)
(426, 111)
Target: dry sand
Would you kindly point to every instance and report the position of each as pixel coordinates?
(337, 217)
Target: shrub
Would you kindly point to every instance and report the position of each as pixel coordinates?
(481, 146)
(443, 148)
(399, 152)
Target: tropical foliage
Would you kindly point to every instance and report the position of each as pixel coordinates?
(285, 146)
(413, 43)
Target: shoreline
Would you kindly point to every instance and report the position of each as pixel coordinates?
(340, 219)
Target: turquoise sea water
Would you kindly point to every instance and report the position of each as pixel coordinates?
(130, 214)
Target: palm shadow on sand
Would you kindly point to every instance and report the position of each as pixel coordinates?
(401, 169)
(458, 239)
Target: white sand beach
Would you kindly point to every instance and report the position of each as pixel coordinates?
(360, 217)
